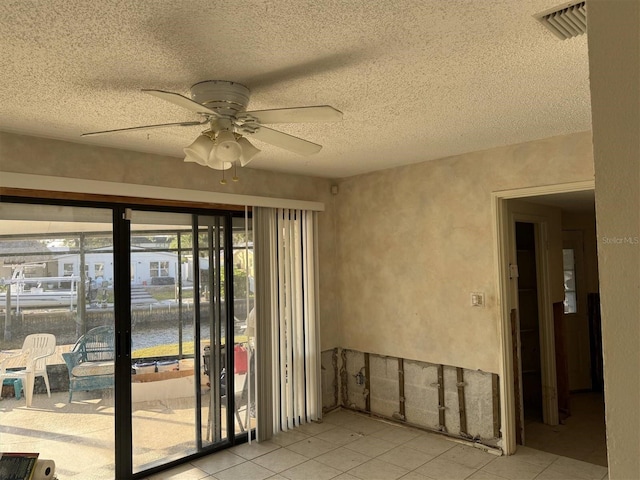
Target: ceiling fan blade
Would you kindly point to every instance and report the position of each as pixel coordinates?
(144, 127)
(319, 113)
(284, 140)
(181, 101)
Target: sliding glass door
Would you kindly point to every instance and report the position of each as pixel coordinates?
(163, 372)
(57, 301)
(151, 362)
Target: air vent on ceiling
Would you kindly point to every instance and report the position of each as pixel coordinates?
(565, 21)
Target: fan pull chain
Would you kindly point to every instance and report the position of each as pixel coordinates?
(235, 172)
(223, 181)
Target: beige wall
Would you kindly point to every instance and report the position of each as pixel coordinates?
(415, 241)
(614, 64)
(24, 154)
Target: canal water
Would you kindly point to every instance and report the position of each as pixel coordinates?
(143, 337)
(150, 337)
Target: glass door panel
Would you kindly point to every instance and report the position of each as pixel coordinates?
(244, 325)
(212, 309)
(163, 374)
(56, 290)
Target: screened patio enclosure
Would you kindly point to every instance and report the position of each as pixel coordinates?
(173, 288)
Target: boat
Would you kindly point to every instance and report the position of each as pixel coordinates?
(29, 292)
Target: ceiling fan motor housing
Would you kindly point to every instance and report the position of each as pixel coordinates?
(226, 98)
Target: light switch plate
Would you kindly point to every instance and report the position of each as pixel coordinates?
(477, 299)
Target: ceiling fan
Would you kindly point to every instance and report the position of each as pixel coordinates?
(222, 105)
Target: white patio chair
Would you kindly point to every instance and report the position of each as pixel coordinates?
(35, 349)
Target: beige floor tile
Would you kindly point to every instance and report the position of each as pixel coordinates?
(370, 446)
(535, 457)
(311, 470)
(578, 468)
(245, 471)
(280, 460)
(581, 436)
(218, 461)
(442, 469)
(431, 444)
(346, 476)
(339, 436)
(312, 447)
(482, 475)
(468, 456)
(378, 470)
(249, 452)
(405, 457)
(343, 459)
(396, 434)
(287, 438)
(314, 428)
(513, 468)
(364, 426)
(554, 475)
(414, 476)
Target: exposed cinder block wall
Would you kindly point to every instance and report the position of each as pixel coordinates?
(479, 401)
(384, 386)
(421, 394)
(459, 402)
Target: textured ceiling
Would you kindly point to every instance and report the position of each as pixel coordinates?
(416, 80)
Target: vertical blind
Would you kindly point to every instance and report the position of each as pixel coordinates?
(286, 319)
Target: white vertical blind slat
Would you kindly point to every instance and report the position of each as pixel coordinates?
(283, 295)
(312, 377)
(291, 298)
(275, 332)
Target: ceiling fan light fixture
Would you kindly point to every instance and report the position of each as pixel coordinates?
(248, 151)
(222, 104)
(227, 148)
(199, 151)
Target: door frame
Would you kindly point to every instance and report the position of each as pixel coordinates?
(501, 221)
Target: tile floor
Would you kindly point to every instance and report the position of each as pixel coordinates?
(350, 446)
(581, 436)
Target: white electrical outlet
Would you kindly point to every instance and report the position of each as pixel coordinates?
(477, 299)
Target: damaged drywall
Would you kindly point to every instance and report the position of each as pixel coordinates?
(354, 380)
(329, 379)
(452, 400)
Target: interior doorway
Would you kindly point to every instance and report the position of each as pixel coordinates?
(577, 348)
(580, 433)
